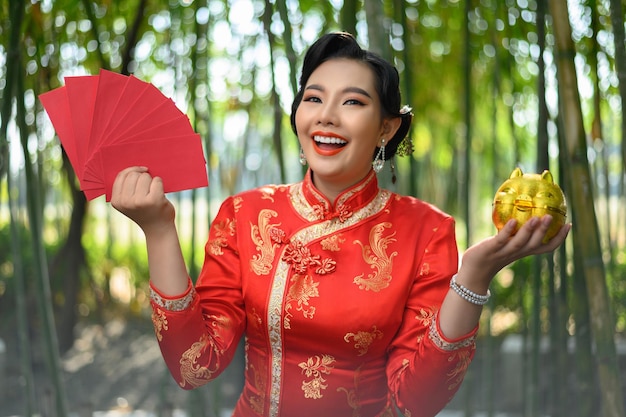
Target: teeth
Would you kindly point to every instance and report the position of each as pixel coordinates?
(326, 139)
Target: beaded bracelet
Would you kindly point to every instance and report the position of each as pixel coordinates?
(469, 295)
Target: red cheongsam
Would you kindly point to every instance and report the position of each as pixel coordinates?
(338, 304)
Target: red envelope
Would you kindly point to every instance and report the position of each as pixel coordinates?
(179, 161)
(108, 122)
(81, 93)
(58, 107)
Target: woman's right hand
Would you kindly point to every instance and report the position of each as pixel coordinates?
(140, 197)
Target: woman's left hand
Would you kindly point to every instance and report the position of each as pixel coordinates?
(489, 256)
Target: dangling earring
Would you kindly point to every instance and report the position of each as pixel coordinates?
(379, 161)
(302, 157)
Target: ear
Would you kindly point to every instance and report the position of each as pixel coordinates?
(390, 127)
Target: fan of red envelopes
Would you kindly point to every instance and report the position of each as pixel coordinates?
(109, 122)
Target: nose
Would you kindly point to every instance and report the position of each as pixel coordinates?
(327, 115)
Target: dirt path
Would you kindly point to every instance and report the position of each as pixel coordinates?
(114, 368)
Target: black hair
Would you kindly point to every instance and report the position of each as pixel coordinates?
(387, 80)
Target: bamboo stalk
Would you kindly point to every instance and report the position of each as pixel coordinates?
(583, 213)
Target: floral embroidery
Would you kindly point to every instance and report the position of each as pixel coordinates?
(326, 267)
(319, 211)
(375, 255)
(425, 316)
(261, 263)
(300, 257)
(332, 243)
(425, 269)
(316, 367)
(159, 320)
(363, 339)
(191, 373)
(221, 230)
(303, 288)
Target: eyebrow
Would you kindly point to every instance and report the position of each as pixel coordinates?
(345, 90)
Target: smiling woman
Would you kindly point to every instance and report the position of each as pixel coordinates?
(341, 123)
(349, 296)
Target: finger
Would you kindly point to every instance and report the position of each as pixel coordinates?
(507, 231)
(541, 228)
(524, 234)
(559, 238)
(120, 180)
(143, 184)
(156, 186)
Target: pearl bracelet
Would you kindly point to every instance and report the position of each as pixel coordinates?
(469, 295)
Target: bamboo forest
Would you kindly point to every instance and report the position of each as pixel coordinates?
(494, 85)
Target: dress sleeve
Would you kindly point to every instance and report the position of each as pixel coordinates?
(425, 369)
(198, 332)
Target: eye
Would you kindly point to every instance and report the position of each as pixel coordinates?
(313, 99)
(354, 102)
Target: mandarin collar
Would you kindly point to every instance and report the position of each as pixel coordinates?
(348, 202)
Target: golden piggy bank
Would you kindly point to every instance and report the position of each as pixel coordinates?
(523, 196)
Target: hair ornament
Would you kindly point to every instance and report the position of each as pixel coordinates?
(405, 147)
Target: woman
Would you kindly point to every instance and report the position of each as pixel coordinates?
(348, 295)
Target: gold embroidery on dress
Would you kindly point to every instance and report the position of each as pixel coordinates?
(261, 263)
(237, 203)
(363, 339)
(257, 402)
(375, 255)
(159, 320)
(327, 266)
(457, 374)
(255, 320)
(332, 243)
(274, 328)
(425, 269)
(222, 231)
(190, 372)
(315, 367)
(173, 304)
(267, 193)
(277, 292)
(351, 394)
(425, 316)
(302, 289)
(218, 323)
(443, 344)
